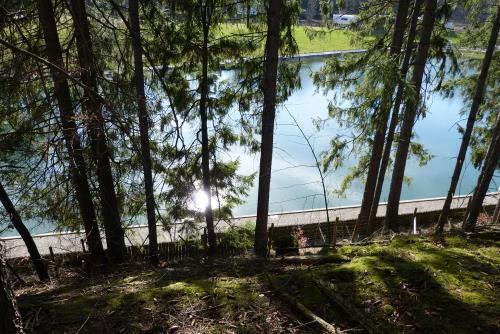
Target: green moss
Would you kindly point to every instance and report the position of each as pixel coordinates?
(447, 289)
(412, 284)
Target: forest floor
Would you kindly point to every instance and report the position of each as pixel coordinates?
(407, 285)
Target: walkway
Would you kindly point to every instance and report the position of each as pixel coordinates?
(136, 235)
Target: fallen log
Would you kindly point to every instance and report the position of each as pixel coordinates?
(350, 310)
(304, 311)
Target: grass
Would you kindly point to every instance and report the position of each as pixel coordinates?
(410, 285)
(335, 40)
(309, 39)
(313, 39)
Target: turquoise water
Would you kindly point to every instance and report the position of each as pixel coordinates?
(297, 188)
(295, 184)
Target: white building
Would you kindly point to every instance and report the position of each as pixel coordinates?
(344, 19)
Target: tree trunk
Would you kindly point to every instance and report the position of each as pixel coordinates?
(249, 10)
(476, 102)
(489, 166)
(72, 140)
(96, 128)
(410, 45)
(268, 116)
(144, 129)
(10, 319)
(410, 115)
(15, 218)
(381, 127)
(207, 9)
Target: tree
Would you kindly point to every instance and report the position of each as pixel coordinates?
(268, 116)
(384, 163)
(207, 8)
(143, 129)
(490, 164)
(36, 259)
(96, 128)
(74, 149)
(476, 103)
(381, 124)
(10, 321)
(410, 114)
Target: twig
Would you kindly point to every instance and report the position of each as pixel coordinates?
(84, 323)
(206, 309)
(351, 311)
(304, 311)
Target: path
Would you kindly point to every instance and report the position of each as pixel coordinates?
(71, 241)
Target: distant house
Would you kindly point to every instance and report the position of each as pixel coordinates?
(243, 11)
(449, 25)
(344, 19)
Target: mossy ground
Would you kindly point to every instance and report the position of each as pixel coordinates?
(412, 285)
(228, 296)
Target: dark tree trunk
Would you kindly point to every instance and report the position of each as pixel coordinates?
(476, 102)
(72, 141)
(96, 128)
(381, 127)
(249, 10)
(144, 129)
(268, 116)
(410, 115)
(489, 166)
(410, 45)
(207, 9)
(15, 218)
(10, 318)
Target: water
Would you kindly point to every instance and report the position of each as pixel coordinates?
(298, 188)
(295, 185)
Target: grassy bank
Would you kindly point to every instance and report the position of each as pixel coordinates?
(313, 39)
(410, 285)
(308, 39)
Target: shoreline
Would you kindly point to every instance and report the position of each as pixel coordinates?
(67, 242)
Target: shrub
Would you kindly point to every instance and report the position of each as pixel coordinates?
(241, 238)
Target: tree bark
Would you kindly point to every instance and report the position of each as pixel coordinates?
(410, 115)
(135, 31)
(489, 166)
(10, 318)
(476, 103)
(410, 45)
(381, 127)
(76, 161)
(15, 218)
(96, 128)
(207, 12)
(268, 116)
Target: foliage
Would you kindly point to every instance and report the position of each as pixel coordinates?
(476, 36)
(238, 237)
(367, 80)
(285, 241)
(294, 239)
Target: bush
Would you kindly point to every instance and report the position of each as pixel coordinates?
(241, 238)
(286, 241)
